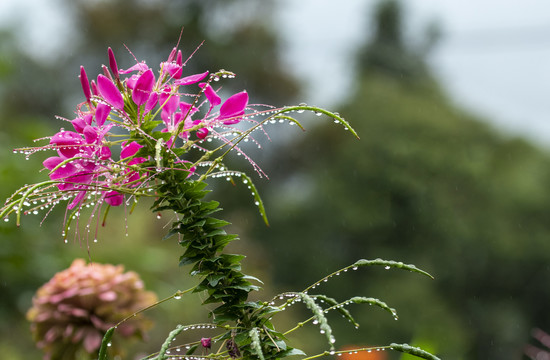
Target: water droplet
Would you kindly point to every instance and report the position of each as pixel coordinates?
(177, 297)
(109, 344)
(354, 268)
(387, 267)
(95, 240)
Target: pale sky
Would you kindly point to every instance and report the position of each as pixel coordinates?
(494, 60)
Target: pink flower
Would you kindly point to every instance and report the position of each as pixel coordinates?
(72, 312)
(206, 343)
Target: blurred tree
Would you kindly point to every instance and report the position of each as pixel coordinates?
(427, 184)
(388, 50)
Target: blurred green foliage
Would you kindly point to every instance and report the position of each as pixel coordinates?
(427, 184)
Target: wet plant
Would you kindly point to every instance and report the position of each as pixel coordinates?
(163, 134)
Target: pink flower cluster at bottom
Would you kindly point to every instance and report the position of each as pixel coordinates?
(72, 312)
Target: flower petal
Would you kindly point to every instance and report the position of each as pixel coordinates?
(202, 133)
(151, 102)
(114, 198)
(112, 63)
(169, 100)
(78, 198)
(192, 79)
(109, 92)
(68, 143)
(85, 83)
(91, 134)
(79, 124)
(101, 113)
(51, 162)
(173, 70)
(137, 67)
(143, 87)
(234, 107)
(211, 95)
(130, 150)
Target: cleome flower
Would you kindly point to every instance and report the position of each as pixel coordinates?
(136, 124)
(72, 312)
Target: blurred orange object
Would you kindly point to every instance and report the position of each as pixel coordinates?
(361, 355)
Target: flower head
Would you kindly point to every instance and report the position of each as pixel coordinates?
(206, 342)
(72, 312)
(138, 124)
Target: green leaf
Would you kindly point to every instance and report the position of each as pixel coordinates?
(373, 301)
(343, 311)
(291, 352)
(105, 344)
(214, 279)
(216, 232)
(408, 349)
(249, 277)
(269, 310)
(257, 199)
(231, 259)
(148, 126)
(390, 264)
(192, 349)
(247, 288)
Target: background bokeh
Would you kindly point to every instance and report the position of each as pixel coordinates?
(429, 182)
